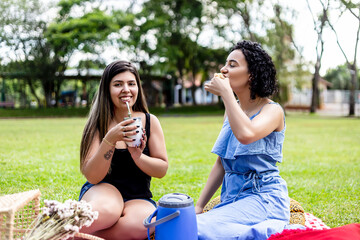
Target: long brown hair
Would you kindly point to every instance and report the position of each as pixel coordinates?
(102, 109)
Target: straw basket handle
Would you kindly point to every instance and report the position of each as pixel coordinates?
(87, 236)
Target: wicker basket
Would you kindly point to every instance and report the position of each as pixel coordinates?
(17, 212)
(86, 236)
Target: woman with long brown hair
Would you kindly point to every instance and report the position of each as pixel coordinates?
(118, 176)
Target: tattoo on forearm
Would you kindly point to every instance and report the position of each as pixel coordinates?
(108, 154)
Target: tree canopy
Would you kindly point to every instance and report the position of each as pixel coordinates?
(183, 41)
(43, 49)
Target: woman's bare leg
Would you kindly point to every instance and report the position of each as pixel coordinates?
(130, 225)
(107, 200)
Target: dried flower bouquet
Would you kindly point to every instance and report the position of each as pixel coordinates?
(61, 220)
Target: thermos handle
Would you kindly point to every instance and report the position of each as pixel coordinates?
(148, 224)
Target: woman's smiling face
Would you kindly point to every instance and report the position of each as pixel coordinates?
(123, 88)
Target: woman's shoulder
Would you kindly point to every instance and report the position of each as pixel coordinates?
(276, 112)
(272, 106)
(153, 120)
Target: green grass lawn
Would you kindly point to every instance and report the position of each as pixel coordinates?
(321, 160)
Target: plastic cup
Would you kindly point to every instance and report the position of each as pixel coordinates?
(138, 136)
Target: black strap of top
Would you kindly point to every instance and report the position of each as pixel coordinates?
(147, 125)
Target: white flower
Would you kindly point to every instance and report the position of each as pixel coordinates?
(67, 227)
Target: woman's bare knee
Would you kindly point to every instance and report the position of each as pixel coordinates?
(110, 210)
(136, 229)
(130, 225)
(108, 202)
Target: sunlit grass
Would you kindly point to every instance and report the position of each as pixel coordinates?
(321, 160)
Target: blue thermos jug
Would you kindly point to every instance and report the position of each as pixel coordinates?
(175, 218)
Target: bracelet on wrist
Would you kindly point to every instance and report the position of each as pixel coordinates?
(108, 143)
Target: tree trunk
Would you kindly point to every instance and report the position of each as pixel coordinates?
(315, 89)
(32, 90)
(48, 96)
(181, 77)
(22, 85)
(353, 87)
(3, 90)
(48, 88)
(57, 92)
(193, 89)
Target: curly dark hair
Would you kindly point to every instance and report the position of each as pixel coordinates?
(261, 68)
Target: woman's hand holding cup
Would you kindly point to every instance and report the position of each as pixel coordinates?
(137, 150)
(124, 131)
(136, 134)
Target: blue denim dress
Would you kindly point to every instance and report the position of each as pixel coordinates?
(254, 198)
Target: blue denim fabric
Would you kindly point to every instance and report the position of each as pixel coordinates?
(254, 198)
(88, 185)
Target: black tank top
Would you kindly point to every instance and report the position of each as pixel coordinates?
(126, 176)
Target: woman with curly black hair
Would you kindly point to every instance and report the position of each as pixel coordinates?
(254, 198)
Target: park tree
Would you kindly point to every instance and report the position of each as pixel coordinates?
(21, 27)
(284, 51)
(184, 38)
(84, 68)
(264, 22)
(319, 26)
(339, 77)
(69, 33)
(43, 48)
(235, 20)
(168, 32)
(172, 33)
(354, 9)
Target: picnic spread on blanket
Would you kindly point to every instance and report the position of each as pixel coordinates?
(19, 211)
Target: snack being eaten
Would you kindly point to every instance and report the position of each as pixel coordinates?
(219, 75)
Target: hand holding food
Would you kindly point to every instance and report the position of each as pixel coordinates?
(219, 75)
(218, 85)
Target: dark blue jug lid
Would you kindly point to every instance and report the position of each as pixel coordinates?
(175, 200)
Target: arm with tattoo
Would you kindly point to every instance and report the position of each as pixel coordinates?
(108, 154)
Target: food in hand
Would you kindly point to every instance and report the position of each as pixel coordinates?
(219, 75)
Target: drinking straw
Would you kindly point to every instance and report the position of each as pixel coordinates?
(129, 112)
